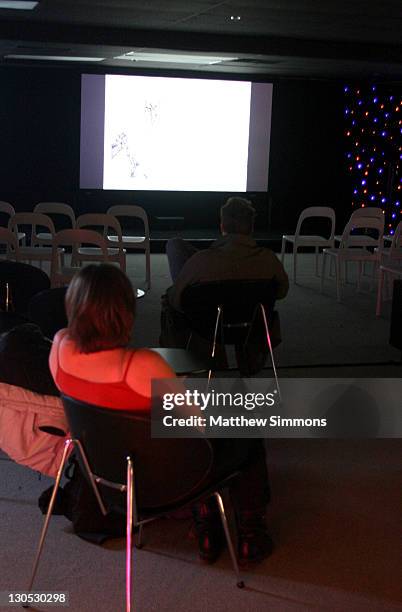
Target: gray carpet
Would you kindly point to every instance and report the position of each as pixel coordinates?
(335, 515)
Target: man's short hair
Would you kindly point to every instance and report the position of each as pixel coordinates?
(237, 216)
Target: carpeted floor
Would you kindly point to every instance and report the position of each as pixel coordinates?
(335, 515)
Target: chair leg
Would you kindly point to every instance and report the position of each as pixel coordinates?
(360, 271)
(189, 341)
(239, 581)
(283, 249)
(49, 513)
(317, 252)
(218, 318)
(148, 267)
(324, 262)
(271, 352)
(138, 538)
(379, 293)
(122, 263)
(129, 531)
(91, 478)
(338, 278)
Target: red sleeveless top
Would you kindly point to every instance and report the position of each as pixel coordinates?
(118, 395)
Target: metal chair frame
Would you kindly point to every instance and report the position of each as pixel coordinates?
(132, 515)
(246, 325)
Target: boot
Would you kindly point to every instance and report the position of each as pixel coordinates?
(209, 530)
(254, 542)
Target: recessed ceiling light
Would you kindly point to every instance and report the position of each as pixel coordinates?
(17, 5)
(174, 58)
(56, 58)
(235, 17)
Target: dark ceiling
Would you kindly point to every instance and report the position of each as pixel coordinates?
(267, 38)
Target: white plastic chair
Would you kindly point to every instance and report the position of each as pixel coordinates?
(363, 240)
(34, 253)
(389, 270)
(61, 275)
(394, 253)
(348, 251)
(8, 209)
(139, 243)
(116, 253)
(303, 240)
(10, 240)
(49, 209)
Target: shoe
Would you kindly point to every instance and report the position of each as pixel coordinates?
(254, 543)
(209, 530)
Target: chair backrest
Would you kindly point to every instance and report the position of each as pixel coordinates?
(367, 211)
(363, 224)
(103, 220)
(167, 471)
(237, 298)
(48, 311)
(10, 239)
(7, 208)
(24, 280)
(56, 208)
(74, 238)
(396, 244)
(317, 211)
(130, 210)
(33, 219)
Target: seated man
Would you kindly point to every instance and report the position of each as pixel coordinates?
(234, 256)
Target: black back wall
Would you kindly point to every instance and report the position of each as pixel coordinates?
(39, 154)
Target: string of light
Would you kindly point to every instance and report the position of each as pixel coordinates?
(373, 134)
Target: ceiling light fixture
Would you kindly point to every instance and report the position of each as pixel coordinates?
(174, 58)
(18, 5)
(55, 58)
(235, 17)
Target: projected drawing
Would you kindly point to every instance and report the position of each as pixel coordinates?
(179, 134)
(120, 145)
(151, 111)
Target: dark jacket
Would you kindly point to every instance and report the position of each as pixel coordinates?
(24, 359)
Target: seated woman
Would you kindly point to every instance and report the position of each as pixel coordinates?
(91, 361)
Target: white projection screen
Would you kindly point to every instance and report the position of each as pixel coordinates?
(174, 134)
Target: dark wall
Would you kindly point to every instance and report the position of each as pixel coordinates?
(307, 161)
(39, 159)
(39, 127)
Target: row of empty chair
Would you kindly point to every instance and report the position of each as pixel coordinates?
(107, 243)
(362, 241)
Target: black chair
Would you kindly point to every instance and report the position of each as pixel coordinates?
(229, 312)
(48, 311)
(24, 282)
(157, 476)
